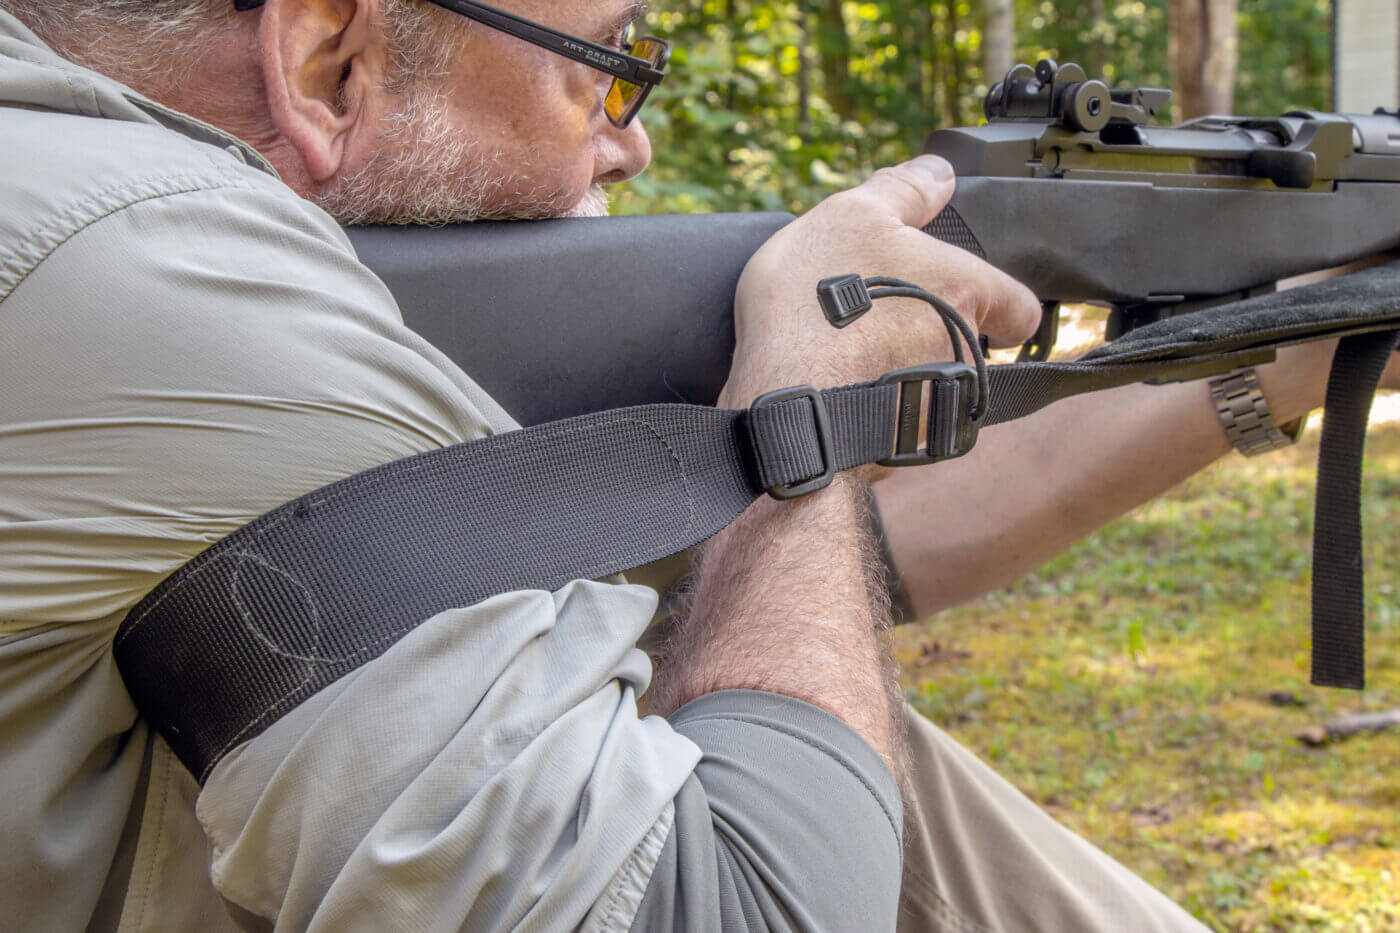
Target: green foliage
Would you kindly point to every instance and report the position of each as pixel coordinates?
(1127, 46)
(773, 104)
(745, 120)
(1285, 56)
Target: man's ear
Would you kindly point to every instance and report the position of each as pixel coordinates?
(322, 61)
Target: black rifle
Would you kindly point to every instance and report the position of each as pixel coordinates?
(1066, 187)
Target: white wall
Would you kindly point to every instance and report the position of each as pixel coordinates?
(1367, 67)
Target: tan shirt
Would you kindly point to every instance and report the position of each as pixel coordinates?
(185, 344)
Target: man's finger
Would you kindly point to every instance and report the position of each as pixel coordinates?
(914, 191)
(1012, 310)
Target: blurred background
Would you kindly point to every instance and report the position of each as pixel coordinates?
(772, 104)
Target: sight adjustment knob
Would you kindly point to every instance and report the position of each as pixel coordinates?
(1086, 106)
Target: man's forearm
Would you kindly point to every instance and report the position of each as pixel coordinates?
(1030, 489)
(783, 601)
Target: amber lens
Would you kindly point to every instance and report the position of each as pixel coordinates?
(625, 98)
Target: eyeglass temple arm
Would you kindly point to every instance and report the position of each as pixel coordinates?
(627, 67)
(611, 61)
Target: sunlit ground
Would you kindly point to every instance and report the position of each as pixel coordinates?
(1126, 687)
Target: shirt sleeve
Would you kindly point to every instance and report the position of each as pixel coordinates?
(791, 822)
(181, 366)
(193, 360)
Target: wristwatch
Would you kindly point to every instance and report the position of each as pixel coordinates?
(1246, 417)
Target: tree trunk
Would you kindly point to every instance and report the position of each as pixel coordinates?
(998, 40)
(937, 65)
(928, 51)
(804, 78)
(731, 89)
(835, 48)
(1098, 54)
(1203, 45)
(953, 74)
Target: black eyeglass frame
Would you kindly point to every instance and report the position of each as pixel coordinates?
(618, 63)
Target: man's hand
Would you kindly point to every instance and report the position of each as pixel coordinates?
(782, 600)
(783, 338)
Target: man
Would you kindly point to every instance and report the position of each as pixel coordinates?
(187, 344)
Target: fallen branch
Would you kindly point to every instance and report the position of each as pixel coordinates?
(1343, 726)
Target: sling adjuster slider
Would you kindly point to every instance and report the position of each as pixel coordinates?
(843, 298)
(951, 430)
(822, 421)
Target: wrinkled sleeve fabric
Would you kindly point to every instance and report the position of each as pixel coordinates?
(200, 356)
(791, 822)
(413, 794)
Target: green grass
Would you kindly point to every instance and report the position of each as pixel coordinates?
(1125, 687)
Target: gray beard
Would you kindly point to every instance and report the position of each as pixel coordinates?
(425, 173)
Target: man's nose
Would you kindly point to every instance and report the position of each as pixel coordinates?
(619, 154)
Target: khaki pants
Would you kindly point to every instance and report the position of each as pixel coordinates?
(980, 856)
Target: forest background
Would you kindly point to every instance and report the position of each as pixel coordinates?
(1147, 686)
(773, 105)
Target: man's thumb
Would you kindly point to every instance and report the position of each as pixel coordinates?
(915, 190)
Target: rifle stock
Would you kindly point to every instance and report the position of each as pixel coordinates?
(1067, 189)
(562, 317)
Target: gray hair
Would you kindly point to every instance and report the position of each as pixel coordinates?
(173, 34)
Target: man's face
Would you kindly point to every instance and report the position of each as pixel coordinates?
(511, 130)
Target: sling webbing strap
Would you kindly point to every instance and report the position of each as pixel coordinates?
(319, 586)
(1338, 635)
(310, 591)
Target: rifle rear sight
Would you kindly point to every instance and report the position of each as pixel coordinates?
(1064, 94)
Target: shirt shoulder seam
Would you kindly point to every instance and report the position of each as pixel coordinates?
(62, 224)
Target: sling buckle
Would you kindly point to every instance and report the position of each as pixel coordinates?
(951, 430)
(821, 420)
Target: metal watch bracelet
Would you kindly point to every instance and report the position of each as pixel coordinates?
(1245, 415)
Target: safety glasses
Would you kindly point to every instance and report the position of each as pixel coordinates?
(636, 68)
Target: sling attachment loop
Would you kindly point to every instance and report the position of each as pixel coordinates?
(1338, 606)
(960, 333)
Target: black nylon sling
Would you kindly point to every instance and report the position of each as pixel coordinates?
(1338, 593)
(319, 586)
